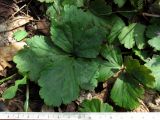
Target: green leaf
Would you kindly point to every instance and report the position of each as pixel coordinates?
(125, 93)
(154, 66)
(143, 55)
(128, 88)
(47, 1)
(95, 105)
(153, 31)
(113, 55)
(126, 36)
(20, 35)
(109, 68)
(10, 92)
(120, 2)
(80, 36)
(134, 33)
(54, 10)
(139, 72)
(100, 7)
(139, 35)
(155, 43)
(104, 72)
(116, 29)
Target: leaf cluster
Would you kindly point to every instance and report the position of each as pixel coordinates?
(90, 43)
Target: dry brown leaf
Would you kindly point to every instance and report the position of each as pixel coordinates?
(8, 27)
(8, 46)
(8, 24)
(7, 53)
(7, 8)
(3, 65)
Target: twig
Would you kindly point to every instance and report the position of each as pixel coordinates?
(131, 11)
(151, 15)
(28, 5)
(120, 12)
(17, 11)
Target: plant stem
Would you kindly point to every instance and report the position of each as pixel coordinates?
(151, 15)
(120, 12)
(8, 78)
(26, 104)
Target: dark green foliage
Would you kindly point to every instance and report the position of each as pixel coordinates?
(89, 43)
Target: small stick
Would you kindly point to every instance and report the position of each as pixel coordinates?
(151, 15)
(17, 11)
